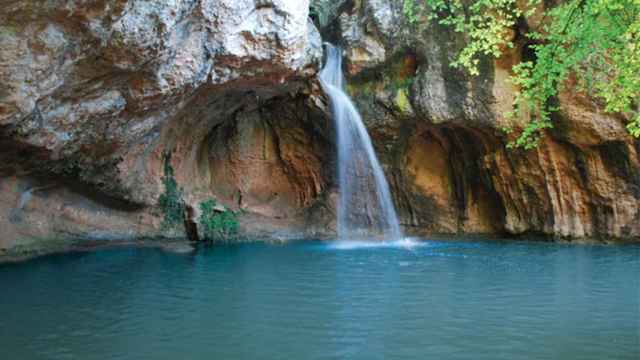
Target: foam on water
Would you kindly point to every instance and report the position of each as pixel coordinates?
(406, 243)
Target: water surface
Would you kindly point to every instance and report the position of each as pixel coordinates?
(315, 300)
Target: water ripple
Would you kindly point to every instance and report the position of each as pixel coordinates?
(327, 300)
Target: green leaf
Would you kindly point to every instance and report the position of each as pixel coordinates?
(596, 41)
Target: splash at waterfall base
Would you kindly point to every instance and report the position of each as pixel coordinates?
(365, 207)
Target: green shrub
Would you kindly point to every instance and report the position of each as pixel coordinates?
(170, 201)
(216, 224)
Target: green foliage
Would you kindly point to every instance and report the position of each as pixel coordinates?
(620, 88)
(170, 201)
(484, 22)
(597, 41)
(217, 223)
(401, 100)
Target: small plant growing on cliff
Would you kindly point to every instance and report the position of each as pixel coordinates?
(217, 222)
(170, 201)
(595, 42)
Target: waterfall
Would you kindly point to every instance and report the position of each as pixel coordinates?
(364, 206)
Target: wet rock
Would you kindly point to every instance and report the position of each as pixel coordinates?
(326, 11)
(363, 50)
(438, 130)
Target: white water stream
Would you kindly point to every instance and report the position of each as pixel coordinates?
(365, 207)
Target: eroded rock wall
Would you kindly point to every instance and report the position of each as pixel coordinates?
(93, 93)
(440, 134)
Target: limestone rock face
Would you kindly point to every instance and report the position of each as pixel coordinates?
(438, 131)
(93, 92)
(147, 49)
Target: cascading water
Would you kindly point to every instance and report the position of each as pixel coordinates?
(365, 207)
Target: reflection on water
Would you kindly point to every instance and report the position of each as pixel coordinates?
(314, 300)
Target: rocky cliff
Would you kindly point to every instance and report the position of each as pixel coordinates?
(440, 133)
(94, 92)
